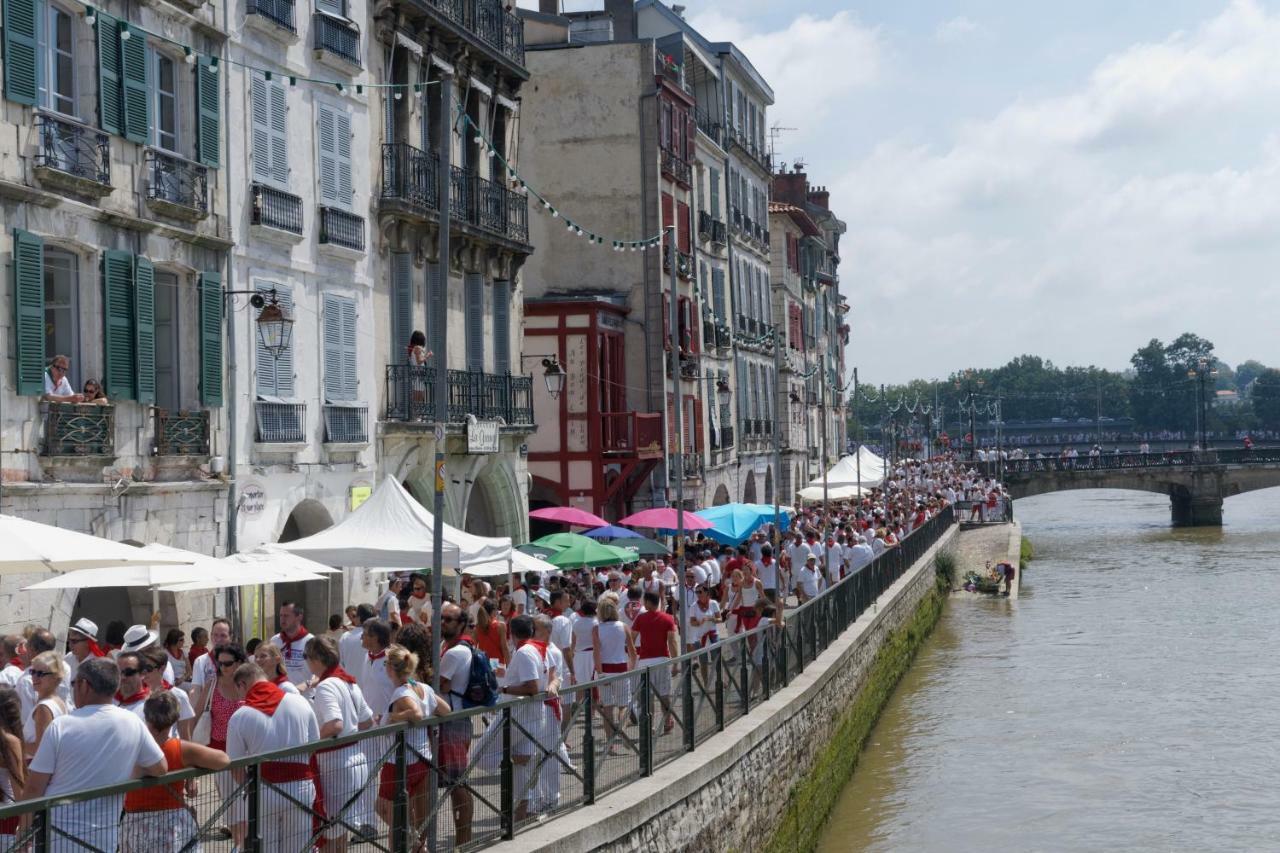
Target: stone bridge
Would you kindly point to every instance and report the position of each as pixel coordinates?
(1196, 482)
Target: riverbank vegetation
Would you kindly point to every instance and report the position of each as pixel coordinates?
(1026, 553)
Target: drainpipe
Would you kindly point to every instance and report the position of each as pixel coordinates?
(229, 319)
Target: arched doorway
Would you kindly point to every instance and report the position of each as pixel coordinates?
(542, 494)
(749, 488)
(722, 495)
(317, 598)
(494, 507)
(768, 485)
(131, 605)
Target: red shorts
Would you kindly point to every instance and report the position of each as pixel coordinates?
(453, 748)
(415, 776)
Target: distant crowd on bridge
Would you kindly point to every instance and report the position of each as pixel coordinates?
(1117, 440)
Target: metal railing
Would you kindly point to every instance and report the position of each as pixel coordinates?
(336, 37)
(280, 423)
(346, 423)
(340, 227)
(411, 395)
(410, 175)
(278, 12)
(671, 68)
(178, 181)
(275, 208)
(707, 124)
(488, 205)
(490, 211)
(489, 21)
(73, 149)
(676, 168)
(1126, 461)
(181, 433)
(631, 433)
(509, 767)
(78, 429)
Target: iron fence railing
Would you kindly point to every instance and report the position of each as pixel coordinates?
(676, 168)
(275, 208)
(177, 181)
(1128, 460)
(340, 227)
(279, 12)
(181, 433)
(411, 395)
(707, 124)
(488, 20)
(73, 149)
(346, 423)
(505, 769)
(337, 37)
(281, 423)
(79, 429)
(410, 175)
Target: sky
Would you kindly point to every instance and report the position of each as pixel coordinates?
(1067, 180)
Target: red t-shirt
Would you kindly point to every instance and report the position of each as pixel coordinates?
(734, 562)
(653, 627)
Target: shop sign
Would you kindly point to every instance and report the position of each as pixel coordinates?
(482, 437)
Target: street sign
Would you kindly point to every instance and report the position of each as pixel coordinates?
(482, 437)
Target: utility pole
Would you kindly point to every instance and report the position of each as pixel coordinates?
(673, 316)
(778, 396)
(822, 409)
(857, 453)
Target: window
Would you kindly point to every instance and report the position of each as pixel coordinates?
(502, 327)
(165, 75)
(715, 194)
(61, 311)
(270, 122)
(340, 380)
(274, 377)
(475, 322)
(664, 126)
(334, 162)
(168, 351)
(682, 227)
(57, 63)
(402, 302)
(717, 293)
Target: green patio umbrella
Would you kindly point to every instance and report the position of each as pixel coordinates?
(591, 554)
(560, 541)
(644, 547)
(539, 551)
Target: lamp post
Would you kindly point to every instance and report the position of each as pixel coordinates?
(553, 373)
(1202, 371)
(967, 381)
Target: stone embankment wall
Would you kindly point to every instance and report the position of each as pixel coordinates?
(770, 778)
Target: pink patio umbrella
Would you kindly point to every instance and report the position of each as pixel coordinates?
(665, 518)
(568, 515)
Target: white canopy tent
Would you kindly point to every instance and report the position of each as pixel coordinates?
(846, 473)
(835, 493)
(29, 546)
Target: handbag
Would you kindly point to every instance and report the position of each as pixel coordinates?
(204, 726)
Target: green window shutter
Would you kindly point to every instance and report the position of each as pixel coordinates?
(110, 94)
(208, 116)
(117, 301)
(260, 128)
(211, 338)
(137, 103)
(401, 303)
(28, 311)
(333, 385)
(715, 196)
(144, 327)
(20, 53)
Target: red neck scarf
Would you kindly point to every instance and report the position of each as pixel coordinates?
(280, 679)
(166, 685)
(555, 611)
(264, 696)
(289, 641)
(373, 656)
(96, 650)
(17, 662)
(539, 645)
(336, 671)
(143, 693)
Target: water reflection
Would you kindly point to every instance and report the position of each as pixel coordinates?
(1126, 701)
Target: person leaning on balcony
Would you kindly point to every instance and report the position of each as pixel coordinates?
(93, 393)
(56, 387)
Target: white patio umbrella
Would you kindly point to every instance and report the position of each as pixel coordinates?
(262, 565)
(29, 546)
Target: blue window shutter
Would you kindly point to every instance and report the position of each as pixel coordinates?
(502, 327)
(110, 93)
(279, 131)
(401, 304)
(28, 311)
(436, 280)
(342, 158)
(333, 385)
(208, 116)
(119, 379)
(260, 127)
(20, 54)
(144, 327)
(211, 338)
(327, 159)
(350, 377)
(475, 322)
(137, 104)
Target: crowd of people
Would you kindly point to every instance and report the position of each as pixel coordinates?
(129, 703)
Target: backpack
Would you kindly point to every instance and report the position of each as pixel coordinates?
(482, 684)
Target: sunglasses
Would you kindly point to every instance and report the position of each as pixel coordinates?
(130, 673)
(226, 663)
(74, 640)
(36, 673)
(450, 618)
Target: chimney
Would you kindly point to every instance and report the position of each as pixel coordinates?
(820, 198)
(790, 188)
(624, 18)
(549, 7)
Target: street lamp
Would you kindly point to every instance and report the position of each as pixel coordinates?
(969, 381)
(275, 328)
(1202, 371)
(553, 373)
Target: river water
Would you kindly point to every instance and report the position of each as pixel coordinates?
(1129, 700)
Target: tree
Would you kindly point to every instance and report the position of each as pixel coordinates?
(1151, 376)
(1266, 398)
(1246, 373)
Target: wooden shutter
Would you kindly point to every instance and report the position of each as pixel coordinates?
(501, 327)
(342, 139)
(211, 338)
(20, 51)
(118, 335)
(260, 127)
(333, 7)
(682, 227)
(110, 94)
(334, 140)
(475, 322)
(350, 375)
(333, 377)
(208, 116)
(401, 303)
(28, 308)
(717, 293)
(144, 327)
(279, 131)
(697, 424)
(137, 101)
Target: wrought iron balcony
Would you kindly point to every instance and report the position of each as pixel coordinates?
(181, 433)
(280, 423)
(737, 217)
(341, 228)
(460, 193)
(177, 185)
(489, 21)
(724, 337)
(517, 216)
(278, 12)
(346, 423)
(684, 264)
(410, 175)
(74, 152)
(411, 395)
(275, 208)
(336, 37)
(488, 205)
(707, 124)
(676, 168)
(76, 429)
(704, 225)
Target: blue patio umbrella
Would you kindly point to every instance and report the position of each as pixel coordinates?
(732, 523)
(612, 531)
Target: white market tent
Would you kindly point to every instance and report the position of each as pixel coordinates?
(835, 493)
(29, 547)
(847, 470)
(393, 530)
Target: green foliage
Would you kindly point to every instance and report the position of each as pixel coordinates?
(1026, 553)
(1265, 396)
(944, 564)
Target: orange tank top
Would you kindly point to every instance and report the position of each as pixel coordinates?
(490, 642)
(160, 798)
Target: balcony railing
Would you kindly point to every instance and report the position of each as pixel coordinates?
(281, 423)
(275, 208)
(410, 175)
(490, 22)
(336, 37)
(676, 168)
(488, 205)
(176, 181)
(341, 228)
(692, 464)
(346, 423)
(75, 429)
(707, 124)
(631, 434)
(460, 193)
(181, 433)
(684, 264)
(278, 12)
(73, 149)
(411, 395)
(747, 145)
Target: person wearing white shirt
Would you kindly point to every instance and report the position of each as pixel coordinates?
(454, 737)
(797, 553)
(705, 615)
(528, 675)
(204, 671)
(351, 647)
(807, 579)
(292, 642)
(94, 746)
(340, 710)
(269, 721)
(56, 387)
(10, 646)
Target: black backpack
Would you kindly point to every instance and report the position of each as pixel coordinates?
(482, 684)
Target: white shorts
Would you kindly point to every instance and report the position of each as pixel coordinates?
(659, 675)
(157, 832)
(343, 774)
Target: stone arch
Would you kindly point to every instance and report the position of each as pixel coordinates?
(722, 495)
(749, 488)
(319, 598)
(132, 605)
(768, 485)
(494, 503)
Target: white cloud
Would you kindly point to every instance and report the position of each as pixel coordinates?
(956, 30)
